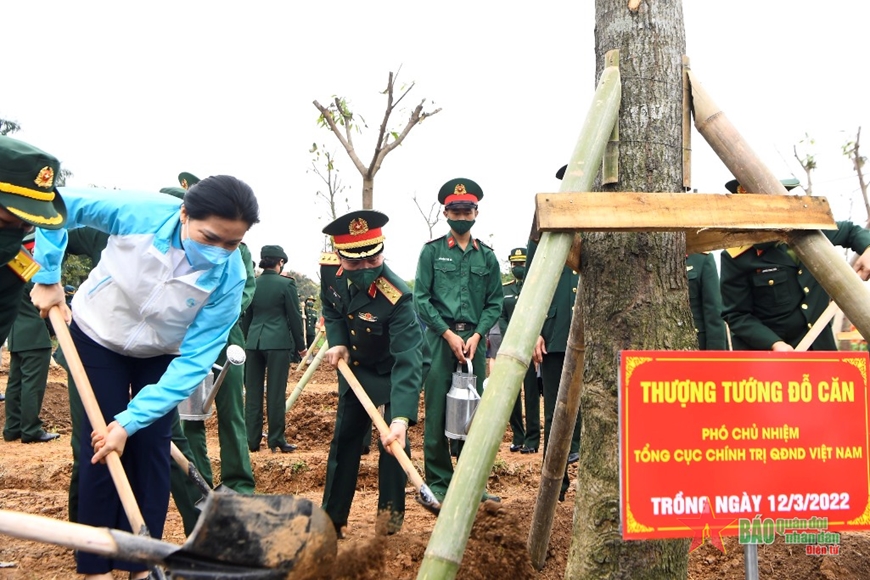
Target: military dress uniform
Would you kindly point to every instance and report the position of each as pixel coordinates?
(310, 321)
(28, 195)
(378, 325)
(706, 301)
(459, 290)
(274, 336)
(525, 439)
(30, 356)
(236, 471)
(768, 295)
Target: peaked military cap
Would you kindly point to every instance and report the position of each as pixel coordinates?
(734, 186)
(174, 191)
(358, 235)
(186, 180)
(27, 177)
(460, 193)
(273, 252)
(517, 255)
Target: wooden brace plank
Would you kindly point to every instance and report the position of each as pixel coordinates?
(691, 212)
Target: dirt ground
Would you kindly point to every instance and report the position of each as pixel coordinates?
(34, 479)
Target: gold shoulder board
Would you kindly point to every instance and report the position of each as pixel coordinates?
(329, 259)
(389, 291)
(734, 252)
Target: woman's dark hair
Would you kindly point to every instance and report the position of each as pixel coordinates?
(269, 262)
(222, 196)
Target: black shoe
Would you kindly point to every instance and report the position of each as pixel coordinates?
(527, 450)
(515, 448)
(42, 438)
(254, 449)
(366, 450)
(561, 496)
(573, 458)
(284, 448)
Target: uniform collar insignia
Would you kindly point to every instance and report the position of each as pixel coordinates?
(450, 242)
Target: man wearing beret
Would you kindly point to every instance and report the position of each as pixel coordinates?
(770, 299)
(371, 324)
(525, 440)
(28, 198)
(458, 294)
(274, 326)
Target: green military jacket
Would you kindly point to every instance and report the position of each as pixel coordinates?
(11, 285)
(310, 321)
(767, 296)
(511, 295)
(557, 326)
(251, 282)
(706, 301)
(380, 329)
(273, 320)
(29, 331)
(453, 285)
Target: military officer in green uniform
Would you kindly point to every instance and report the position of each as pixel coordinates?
(371, 324)
(525, 440)
(28, 198)
(458, 294)
(30, 355)
(770, 299)
(706, 301)
(236, 471)
(310, 321)
(274, 329)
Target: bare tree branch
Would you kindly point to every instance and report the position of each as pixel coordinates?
(347, 144)
(432, 217)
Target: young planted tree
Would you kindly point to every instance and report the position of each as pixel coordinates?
(635, 283)
(343, 122)
(431, 217)
(852, 150)
(323, 166)
(808, 161)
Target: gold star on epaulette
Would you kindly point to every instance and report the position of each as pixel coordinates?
(329, 259)
(389, 291)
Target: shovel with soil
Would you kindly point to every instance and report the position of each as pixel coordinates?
(236, 537)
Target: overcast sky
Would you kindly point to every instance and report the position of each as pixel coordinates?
(128, 97)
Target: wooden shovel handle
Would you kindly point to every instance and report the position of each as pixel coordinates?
(95, 416)
(818, 326)
(395, 446)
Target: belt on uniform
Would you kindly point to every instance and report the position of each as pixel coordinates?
(461, 326)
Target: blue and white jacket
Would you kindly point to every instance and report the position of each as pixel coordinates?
(143, 299)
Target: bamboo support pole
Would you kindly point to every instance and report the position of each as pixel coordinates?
(450, 535)
(610, 165)
(309, 372)
(310, 356)
(559, 443)
(687, 126)
(812, 247)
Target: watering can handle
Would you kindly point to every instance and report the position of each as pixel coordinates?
(470, 366)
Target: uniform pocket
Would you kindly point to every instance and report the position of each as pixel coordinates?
(445, 277)
(770, 291)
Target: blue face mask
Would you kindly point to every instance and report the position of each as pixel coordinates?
(203, 256)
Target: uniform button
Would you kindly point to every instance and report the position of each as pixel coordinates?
(800, 271)
(804, 306)
(809, 324)
(368, 329)
(575, 291)
(354, 347)
(806, 290)
(356, 363)
(353, 333)
(350, 316)
(770, 282)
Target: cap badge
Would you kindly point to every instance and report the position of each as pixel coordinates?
(45, 177)
(358, 226)
(518, 253)
(459, 189)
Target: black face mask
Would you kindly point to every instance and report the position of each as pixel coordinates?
(10, 243)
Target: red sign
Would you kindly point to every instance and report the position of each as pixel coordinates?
(709, 438)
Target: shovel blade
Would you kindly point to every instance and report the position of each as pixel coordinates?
(279, 532)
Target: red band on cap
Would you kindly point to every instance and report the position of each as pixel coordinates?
(342, 240)
(460, 198)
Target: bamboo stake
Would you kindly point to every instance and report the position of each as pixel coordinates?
(95, 416)
(812, 247)
(818, 326)
(450, 535)
(309, 372)
(559, 443)
(310, 356)
(687, 126)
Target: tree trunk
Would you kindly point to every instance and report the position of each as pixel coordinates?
(368, 193)
(637, 295)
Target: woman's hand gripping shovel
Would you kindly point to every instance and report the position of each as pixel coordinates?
(425, 497)
(237, 536)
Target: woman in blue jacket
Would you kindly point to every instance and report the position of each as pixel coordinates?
(148, 323)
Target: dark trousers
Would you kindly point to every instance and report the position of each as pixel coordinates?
(530, 435)
(28, 373)
(236, 472)
(146, 455)
(436, 450)
(342, 468)
(551, 374)
(269, 367)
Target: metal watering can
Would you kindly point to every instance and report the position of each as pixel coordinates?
(198, 406)
(462, 401)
